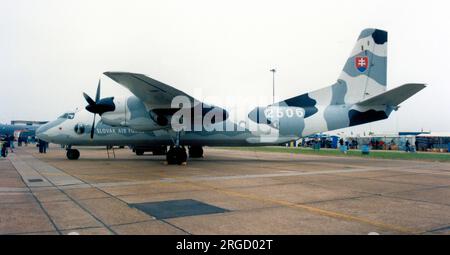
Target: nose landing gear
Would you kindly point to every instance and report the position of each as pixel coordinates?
(73, 154)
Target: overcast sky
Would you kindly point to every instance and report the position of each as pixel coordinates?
(52, 51)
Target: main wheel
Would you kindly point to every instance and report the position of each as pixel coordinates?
(195, 152)
(73, 154)
(176, 156)
(160, 151)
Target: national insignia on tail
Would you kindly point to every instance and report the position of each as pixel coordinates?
(362, 63)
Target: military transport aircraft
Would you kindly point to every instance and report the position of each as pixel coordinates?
(158, 116)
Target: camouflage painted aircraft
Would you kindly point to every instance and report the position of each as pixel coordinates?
(158, 116)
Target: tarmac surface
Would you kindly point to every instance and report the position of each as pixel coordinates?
(227, 192)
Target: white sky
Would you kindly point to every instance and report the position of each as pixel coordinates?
(52, 51)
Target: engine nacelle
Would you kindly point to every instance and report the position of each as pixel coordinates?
(134, 115)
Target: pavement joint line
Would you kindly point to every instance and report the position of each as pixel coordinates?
(131, 223)
(444, 227)
(311, 209)
(109, 196)
(16, 203)
(359, 177)
(52, 222)
(206, 178)
(421, 189)
(153, 218)
(316, 210)
(338, 199)
(400, 182)
(175, 226)
(347, 170)
(77, 203)
(117, 198)
(423, 186)
(376, 179)
(83, 228)
(13, 190)
(366, 192)
(31, 233)
(87, 211)
(415, 200)
(357, 191)
(334, 214)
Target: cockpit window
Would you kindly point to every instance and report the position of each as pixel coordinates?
(67, 115)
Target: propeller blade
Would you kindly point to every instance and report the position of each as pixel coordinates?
(97, 96)
(92, 129)
(88, 99)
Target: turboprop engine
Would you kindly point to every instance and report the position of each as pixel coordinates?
(131, 112)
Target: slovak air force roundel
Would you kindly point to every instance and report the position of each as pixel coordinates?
(362, 63)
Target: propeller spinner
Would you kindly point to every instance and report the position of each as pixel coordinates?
(99, 106)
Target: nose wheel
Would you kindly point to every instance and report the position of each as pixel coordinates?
(73, 154)
(176, 155)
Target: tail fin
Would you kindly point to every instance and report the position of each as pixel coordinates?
(365, 71)
(363, 76)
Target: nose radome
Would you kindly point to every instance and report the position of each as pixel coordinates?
(40, 132)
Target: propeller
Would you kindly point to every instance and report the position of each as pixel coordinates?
(99, 106)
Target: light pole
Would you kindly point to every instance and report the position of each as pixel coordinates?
(273, 85)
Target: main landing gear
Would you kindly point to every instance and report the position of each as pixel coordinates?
(195, 152)
(177, 154)
(73, 154)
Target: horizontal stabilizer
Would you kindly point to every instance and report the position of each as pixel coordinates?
(395, 96)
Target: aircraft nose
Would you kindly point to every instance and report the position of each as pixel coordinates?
(41, 132)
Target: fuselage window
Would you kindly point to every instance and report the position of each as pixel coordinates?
(69, 115)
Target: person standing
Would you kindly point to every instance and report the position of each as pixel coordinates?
(11, 143)
(45, 146)
(3, 148)
(41, 146)
(407, 145)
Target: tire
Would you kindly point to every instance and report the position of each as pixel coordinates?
(160, 151)
(196, 152)
(181, 156)
(73, 154)
(171, 157)
(176, 156)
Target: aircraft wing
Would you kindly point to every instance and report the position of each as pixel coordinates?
(155, 94)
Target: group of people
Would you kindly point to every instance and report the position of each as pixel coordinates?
(351, 144)
(6, 143)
